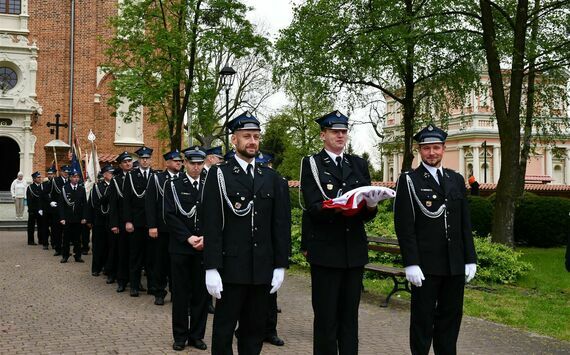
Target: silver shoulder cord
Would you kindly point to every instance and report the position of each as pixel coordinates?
(103, 211)
(70, 204)
(32, 191)
(161, 191)
(440, 211)
(315, 172)
(224, 196)
(117, 186)
(54, 184)
(141, 195)
(187, 214)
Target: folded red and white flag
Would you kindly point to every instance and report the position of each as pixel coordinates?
(352, 201)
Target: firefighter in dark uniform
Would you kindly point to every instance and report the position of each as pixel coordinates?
(334, 245)
(246, 242)
(99, 220)
(432, 221)
(48, 211)
(72, 207)
(183, 217)
(159, 260)
(55, 192)
(136, 186)
(117, 219)
(37, 200)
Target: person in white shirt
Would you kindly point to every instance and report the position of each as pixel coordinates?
(18, 190)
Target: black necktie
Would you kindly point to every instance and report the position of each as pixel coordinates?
(440, 178)
(144, 174)
(250, 172)
(74, 187)
(195, 184)
(339, 164)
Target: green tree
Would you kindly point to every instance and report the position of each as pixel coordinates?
(532, 39)
(414, 52)
(160, 53)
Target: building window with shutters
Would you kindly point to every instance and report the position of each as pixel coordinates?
(11, 7)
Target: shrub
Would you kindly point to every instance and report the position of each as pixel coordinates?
(296, 256)
(497, 263)
(542, 221)
(481, 214)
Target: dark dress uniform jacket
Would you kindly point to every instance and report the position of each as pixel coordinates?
(245, 250)
(99, 205)
(37, 198)
(117, 217)
(182, 227)
(79, 209)
(154, 203)
(331, 239)
(134, 206)
(424, 240)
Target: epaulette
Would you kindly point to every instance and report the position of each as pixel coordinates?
(222, 163)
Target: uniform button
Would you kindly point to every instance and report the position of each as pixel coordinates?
(348, 229)
(448, 226)
(254, 196)
(344, 184)
(255, 228)
(255, 212)
(254, 244)
(445, 200)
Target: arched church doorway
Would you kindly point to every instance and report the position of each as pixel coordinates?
(10, 152)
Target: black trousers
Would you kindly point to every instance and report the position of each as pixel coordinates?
(47, 235)
(123, 257)
(137, 247)
(56, 233)
(248, 305)
(436, 311)
(271, 325)
(71, 235)
(335, 299)
(100, 248)
(34, 219)
(188, 291)
(111, 263)
(158, 262)
(85, 236)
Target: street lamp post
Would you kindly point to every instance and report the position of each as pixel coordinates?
(227, 76)
(484, 146)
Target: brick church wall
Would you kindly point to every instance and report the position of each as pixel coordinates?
(49, 25)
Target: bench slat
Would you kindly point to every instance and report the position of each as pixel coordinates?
(385, 249)
(384, 269)
(383, 240)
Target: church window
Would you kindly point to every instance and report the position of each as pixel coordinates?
(8, 78)
(12, 7)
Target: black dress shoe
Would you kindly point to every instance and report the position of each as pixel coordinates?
(46, 247)
(178, 346)
(198, 344)
(79, 260)
(134, 292)
(85, 253)
(275, 340)
(32, 244)
(110, 280)
(63, 260)
(95, 273)
(57, 253)
(121, 288)
(159, 301)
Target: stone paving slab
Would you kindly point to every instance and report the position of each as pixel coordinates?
(52, 308)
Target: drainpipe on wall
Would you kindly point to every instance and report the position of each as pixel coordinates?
(71, 77)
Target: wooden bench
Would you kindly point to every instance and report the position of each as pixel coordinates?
(397, 274)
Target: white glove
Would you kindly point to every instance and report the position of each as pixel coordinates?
(470, 270)
(415, 275)
(41, 213)
(277, 281)
(53, 204)
(373, 197)
(214, 283)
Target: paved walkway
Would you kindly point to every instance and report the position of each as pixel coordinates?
(52, 308)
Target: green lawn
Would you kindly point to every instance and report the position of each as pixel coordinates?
(539, 302)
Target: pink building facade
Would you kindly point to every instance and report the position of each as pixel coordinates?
(469, 130)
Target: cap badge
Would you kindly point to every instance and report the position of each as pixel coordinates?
(337, 114)
(247, 114)
(430, 128)
(196, 148)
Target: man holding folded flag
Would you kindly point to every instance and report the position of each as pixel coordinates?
(333, 237)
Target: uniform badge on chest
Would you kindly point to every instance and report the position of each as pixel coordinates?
(330, 187)
(428, 203)
(237, 205)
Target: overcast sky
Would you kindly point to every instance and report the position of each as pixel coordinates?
(273, 15)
